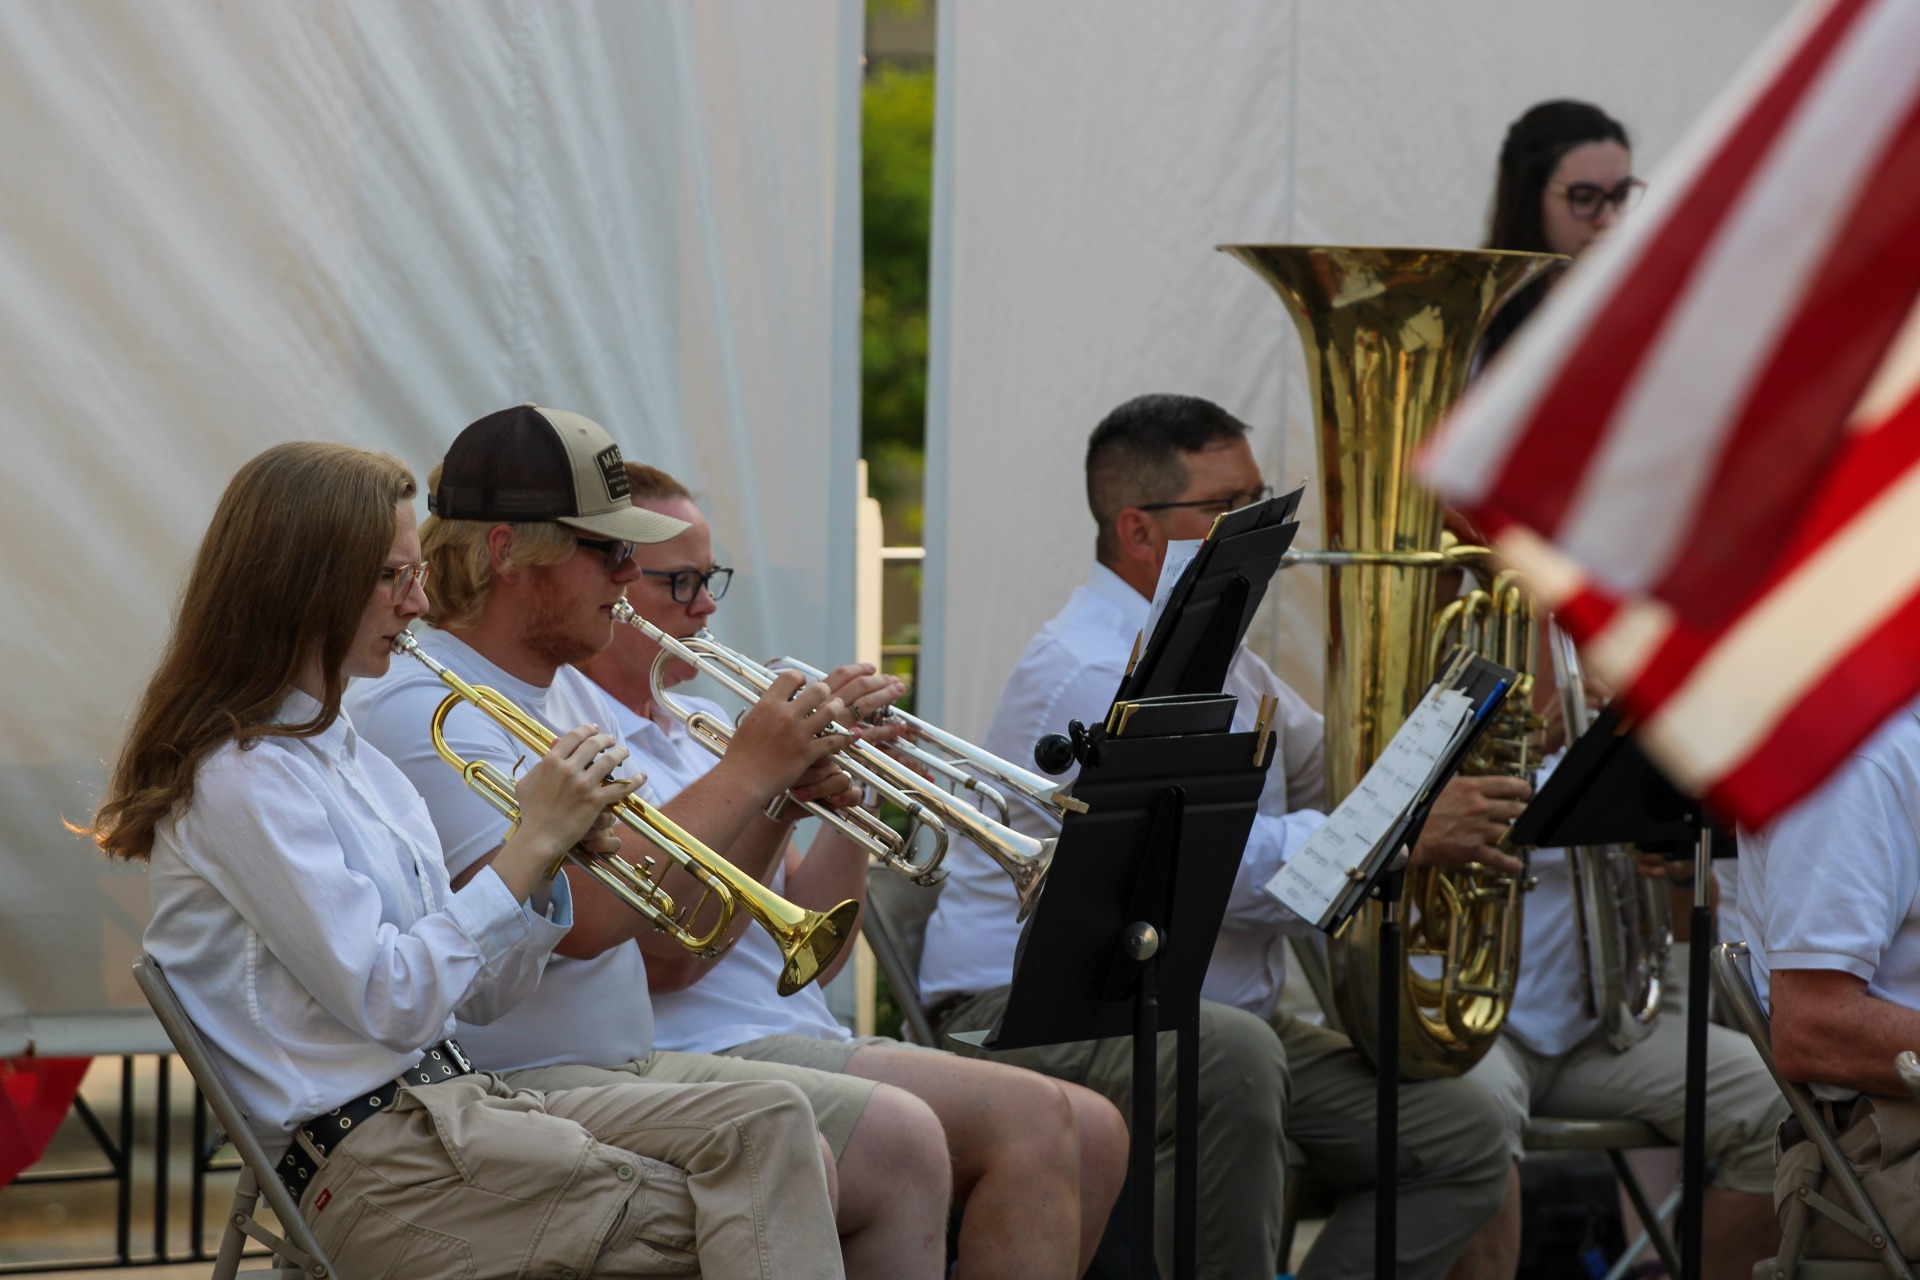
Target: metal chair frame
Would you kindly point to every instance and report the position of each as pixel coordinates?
(296, 1254)
(1733, 979)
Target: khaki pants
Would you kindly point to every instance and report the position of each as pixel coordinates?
(471, 1178)
(838, 1101)
(1880, 1138)
(1262, 1083)
(1648, 1082)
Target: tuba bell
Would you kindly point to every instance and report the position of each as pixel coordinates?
(1390, 336)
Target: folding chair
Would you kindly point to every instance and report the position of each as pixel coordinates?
(296, 1255)
(895, 926)
(1732, 979)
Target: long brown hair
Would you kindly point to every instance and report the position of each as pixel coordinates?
(285, 570)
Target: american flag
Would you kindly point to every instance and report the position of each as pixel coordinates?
(1705, 451)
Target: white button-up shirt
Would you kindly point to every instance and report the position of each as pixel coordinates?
(594, 1010)
(1071, 671)
(302, 913)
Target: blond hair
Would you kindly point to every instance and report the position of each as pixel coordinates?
(461, 580)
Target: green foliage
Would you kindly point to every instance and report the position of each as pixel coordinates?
(896, 211)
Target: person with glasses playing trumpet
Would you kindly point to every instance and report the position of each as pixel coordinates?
(531, 544)
(1037, 1163)
(303, 915)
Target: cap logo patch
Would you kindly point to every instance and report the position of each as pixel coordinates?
(613, 472)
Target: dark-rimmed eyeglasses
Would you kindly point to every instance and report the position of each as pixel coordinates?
(615, 551)
(1585, 199)
(1226, 502)
(686, 583)
(396, 580)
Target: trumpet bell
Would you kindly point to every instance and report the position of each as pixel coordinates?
(808, 950)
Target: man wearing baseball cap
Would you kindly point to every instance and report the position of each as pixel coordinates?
(530, 544)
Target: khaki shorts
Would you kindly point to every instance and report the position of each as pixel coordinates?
(815, 1053)
(1880, 1137)
(838, 1100)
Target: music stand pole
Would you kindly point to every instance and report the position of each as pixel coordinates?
(1693, 1170)
(1386, 1138)
(1142, 943)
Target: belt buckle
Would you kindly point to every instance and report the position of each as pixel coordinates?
(459, 1057)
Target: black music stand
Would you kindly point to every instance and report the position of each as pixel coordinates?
(1606, 791)
(1378, 874)
(1212, 605)
(1121, 940)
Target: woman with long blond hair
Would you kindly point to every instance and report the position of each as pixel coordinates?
(304, 916)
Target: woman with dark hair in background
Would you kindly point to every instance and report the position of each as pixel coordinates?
(1566, 174)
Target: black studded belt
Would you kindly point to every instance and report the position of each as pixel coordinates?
(322, 1134)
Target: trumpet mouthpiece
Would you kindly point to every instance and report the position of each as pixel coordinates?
(405, 643)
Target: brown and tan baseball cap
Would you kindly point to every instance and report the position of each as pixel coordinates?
(528, 463)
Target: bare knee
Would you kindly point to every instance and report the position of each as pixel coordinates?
(1102, 1132)
(897, 1152)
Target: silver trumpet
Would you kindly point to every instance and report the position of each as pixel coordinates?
(928, 806)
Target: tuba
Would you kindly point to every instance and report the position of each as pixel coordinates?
(1625, 919)
(1390, 336)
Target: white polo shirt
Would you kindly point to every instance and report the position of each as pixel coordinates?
(735, 999)
(1071, 671)
(1834, 883)
(302, 913)
(592, 1011)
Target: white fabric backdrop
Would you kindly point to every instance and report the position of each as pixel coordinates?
(227, 225)
(1087, 162)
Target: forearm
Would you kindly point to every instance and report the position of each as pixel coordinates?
(1847, 1037)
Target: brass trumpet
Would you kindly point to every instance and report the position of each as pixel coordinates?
(1024, 858)
(808, 940)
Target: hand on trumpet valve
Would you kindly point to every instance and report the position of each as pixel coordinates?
(564, 798)
(785, 734)
(1469, 820)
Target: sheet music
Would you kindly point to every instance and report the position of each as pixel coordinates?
(1180, 554)
(1314, 878)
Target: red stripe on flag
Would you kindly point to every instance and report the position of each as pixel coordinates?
(1567, 422)
(1857, 695)
(1863, 292)
(1869, 465)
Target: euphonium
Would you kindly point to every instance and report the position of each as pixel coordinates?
(1024, 858)
(1389, 337)
(1625, 919)
(808, 940)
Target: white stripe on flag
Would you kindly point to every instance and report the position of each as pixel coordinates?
(1896, 380)
(1774, 654)
(1638, 496)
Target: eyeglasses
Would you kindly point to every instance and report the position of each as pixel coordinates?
(397, 580)
(686, 583)
(615, 552)
(1227, 502)
(1584, 199)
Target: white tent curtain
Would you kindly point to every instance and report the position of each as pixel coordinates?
(1088, 160)
(227, 225)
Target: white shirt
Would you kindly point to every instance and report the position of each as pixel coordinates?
(1549, 1013)
(1071, 671)
(1834, 883)
(735, 999)
(302, 913)
(593, 1011)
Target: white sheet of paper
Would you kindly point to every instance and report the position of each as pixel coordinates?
(1314, 877)
(1180, 554)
